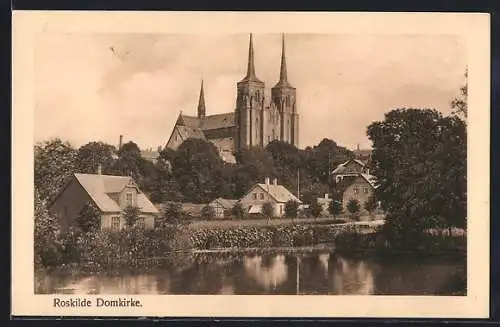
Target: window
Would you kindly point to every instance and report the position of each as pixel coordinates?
(141, 223)
(255, 196)
(262, 196)
(129, 198)
(365, 190)
(115, 223)
(356, 191)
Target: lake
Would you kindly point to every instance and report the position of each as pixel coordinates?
(285, 273)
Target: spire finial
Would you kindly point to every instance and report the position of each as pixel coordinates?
(283, 81)
(283, 74)
(251, 64)
(251, 76)
(201, 103)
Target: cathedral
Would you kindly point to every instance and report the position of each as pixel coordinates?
(255, 121)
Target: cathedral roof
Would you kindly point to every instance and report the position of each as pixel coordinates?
(225, 120)
(187, 132)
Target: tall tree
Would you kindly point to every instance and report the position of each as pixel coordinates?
(45, 234)
(93, 154)
(193, 168)
(55, 162)
(129, 162)
(419, 160)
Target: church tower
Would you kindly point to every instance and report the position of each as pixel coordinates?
(284, 97)
(201, 103)
(249, 113)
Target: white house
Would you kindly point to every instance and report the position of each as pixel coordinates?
(273, 193)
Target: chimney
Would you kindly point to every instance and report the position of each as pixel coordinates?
(326, 196)
(99, 169)
(275, 181)
(266, 181)
(120, 143)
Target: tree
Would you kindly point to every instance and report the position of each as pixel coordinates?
(45, 234)
(131, 214)
(207, 212)
(93, 154)
(129, 162)
(419, 161)
(353, 207)
(194, 166)
(89, 218)
(268, 210)
(316, 209)
(459, 104)
(335, 208)
(54, 164)
(291, 209)
(237, 211)
(172, 213)
(371, 204)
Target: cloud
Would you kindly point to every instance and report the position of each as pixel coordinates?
(98, 86)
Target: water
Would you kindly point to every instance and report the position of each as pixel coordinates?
(283, 273)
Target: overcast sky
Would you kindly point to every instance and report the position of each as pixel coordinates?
(94, 87)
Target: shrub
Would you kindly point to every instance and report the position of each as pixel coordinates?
(353, 207)
(291, 209)
(268, 210)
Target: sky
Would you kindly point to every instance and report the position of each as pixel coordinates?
(95, 87)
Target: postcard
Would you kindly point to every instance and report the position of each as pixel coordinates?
(244, 164)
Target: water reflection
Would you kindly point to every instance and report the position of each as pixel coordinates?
(305, 273)
(268, 277)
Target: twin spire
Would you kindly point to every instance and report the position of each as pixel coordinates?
(251, 76)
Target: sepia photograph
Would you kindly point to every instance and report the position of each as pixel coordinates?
(250, 162)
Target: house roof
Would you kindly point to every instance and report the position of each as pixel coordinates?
(340, 168)
(226, 203)
(278, 192)
(98, 187)
(349, 180)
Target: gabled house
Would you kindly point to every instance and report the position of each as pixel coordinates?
(360, 188)
(222, 207)
(110, 194)
(350, 168)
(273, 193)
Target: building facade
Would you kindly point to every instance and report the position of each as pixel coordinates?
(255, 121)
(360, 189)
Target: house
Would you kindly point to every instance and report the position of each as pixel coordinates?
(273, 193)
(350, 168)
(360, 188)
(222, 206)
(110, 194)
(324, 202)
